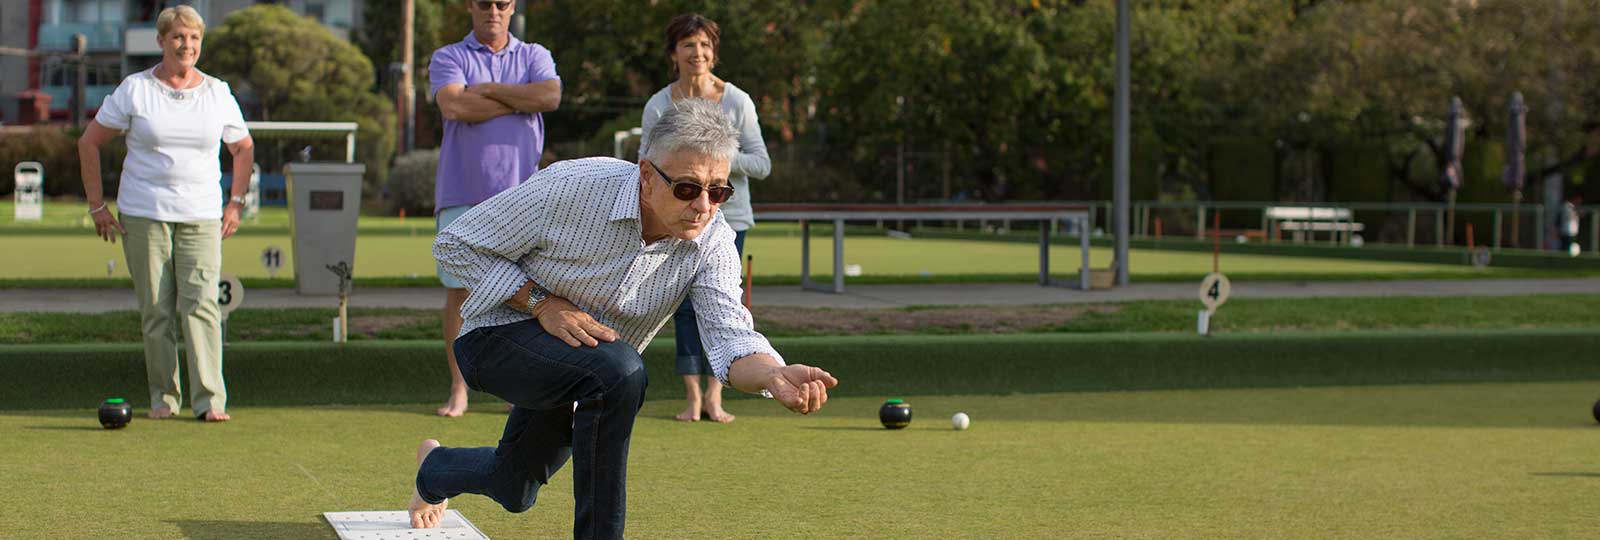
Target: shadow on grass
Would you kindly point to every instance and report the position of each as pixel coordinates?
(227, 530)
(1568, 474)
(844, 428)
(67, 428)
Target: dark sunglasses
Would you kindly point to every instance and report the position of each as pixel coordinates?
(688, 191)
(486, 5)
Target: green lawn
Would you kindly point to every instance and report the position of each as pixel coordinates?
(1496, 460)
(397, 253)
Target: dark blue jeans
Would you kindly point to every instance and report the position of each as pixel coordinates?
(542, 377)
(686, 331)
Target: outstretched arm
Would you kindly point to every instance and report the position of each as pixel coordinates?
(799, 387)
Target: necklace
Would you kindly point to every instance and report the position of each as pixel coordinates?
(174, 93)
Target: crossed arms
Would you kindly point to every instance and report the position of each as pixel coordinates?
(481, 102)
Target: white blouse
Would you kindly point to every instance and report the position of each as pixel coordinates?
(172, 171)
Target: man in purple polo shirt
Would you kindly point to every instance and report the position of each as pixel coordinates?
(491, 88)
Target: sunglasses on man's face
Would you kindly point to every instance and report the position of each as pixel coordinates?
(487, 5)
(688, 191)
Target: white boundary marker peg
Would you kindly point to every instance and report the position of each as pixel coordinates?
(1214, 291)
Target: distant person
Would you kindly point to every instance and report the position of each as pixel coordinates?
(170, 212)
(1567, 223)
(692, 43)
(491, 88)
(569, 277)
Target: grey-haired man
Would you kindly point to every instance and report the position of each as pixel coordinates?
(569, 276)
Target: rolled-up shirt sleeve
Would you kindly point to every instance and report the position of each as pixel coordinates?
(727, 330)
(482, 247)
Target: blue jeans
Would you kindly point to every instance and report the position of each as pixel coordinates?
(686, 331)
(542, 377)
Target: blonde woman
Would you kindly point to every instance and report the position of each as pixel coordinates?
(170, 213)
(692, 43)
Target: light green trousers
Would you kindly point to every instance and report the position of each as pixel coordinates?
(175, 268)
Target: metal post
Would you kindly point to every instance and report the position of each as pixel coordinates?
(1083, 253)
(1044, 254)
(1121, 144)
(1438, 227)
(1594, 230)
(1411, 228)
(80, 47)
(1200, 222)
(1538, 229)
(408, 91)
(1264, 232)
(838, 255)
(1333, 239)
(1497, 229)
(805, 254)
(350, 147)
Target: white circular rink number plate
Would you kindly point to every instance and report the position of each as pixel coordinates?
(230, 294)
(1214, 290)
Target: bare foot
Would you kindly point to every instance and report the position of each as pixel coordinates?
(159, 413)
(424, 515)
(455, 406)
(216, 416)
(716, 414)
(691, 414)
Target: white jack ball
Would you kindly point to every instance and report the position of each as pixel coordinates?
(960, 421)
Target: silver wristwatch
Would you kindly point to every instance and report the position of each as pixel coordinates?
(535, 295)
(237, 199)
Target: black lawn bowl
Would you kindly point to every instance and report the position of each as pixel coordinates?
(115, 413)
(895, 414)
(1597, 411)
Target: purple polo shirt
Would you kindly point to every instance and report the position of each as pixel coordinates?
(477, 161)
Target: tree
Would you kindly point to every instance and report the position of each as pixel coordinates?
(1385, 70)
(380, 41)
(295, 69)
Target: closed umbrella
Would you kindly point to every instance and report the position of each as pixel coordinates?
(1516, 168)
(1455, 140)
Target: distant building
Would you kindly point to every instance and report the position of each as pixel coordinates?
(121, 36)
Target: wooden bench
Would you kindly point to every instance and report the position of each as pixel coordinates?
(1304, 222)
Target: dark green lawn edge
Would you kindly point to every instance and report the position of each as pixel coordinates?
(296, 374)
(908, 279)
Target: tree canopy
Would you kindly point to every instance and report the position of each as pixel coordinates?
(1012, 98)
(293, 68)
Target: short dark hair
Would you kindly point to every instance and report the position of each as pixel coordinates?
(686, 25)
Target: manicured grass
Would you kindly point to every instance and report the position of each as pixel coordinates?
(1504, 460)
(1175, 316)
(386, 250)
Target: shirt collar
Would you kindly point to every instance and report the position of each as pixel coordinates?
(627, 204)
(473, 43)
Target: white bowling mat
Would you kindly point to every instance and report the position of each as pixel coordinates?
(396, 525)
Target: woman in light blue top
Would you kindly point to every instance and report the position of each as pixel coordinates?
(691, 44)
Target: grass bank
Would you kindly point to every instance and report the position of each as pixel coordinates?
(275, 374)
